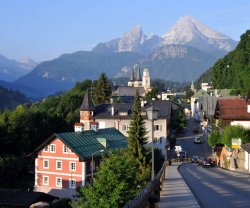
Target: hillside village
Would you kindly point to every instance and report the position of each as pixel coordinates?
(67, 161)
(97, 144)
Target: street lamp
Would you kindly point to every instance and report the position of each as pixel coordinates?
(152, 114)
(92, 166)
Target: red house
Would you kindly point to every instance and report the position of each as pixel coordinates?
(64, 161)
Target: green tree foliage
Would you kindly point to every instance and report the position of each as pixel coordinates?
(103, 90)
(178, 119)
(10, 99)
(152, 94)
(206, 77)
(235, 132)
(13, 172)
(189, 92)
(26, 127)
(114, 185)
(137, 137)
(214, 138)
(233, 71)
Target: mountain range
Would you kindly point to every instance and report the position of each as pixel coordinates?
(10, 70)
(183, 53)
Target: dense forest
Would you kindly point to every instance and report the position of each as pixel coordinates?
(233, 71)
(11, 99)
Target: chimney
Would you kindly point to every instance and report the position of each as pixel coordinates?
(94, 126)
(79, 127)
(112, 110)
(142, 103)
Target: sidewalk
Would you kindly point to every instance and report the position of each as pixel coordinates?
(175, 192)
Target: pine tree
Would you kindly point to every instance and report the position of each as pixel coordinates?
(137, 137)
(103, 89)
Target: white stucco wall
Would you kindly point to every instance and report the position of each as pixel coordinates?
(245, 124)
(163, 133)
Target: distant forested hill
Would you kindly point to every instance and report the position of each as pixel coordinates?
(233, 71)
(10, 99)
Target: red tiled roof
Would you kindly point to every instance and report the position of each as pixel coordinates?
(78, 124)
(233, 109)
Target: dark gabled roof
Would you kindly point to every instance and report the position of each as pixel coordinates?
(104, 110)
(129, 91)
(124, 99)
(18, 198)
(85, 143)
(246, 147)
(87, 104)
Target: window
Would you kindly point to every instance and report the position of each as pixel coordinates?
(72, 166)
(65, 149)
(53, 148)
(45, 164)
(45, 180)
(158, 127)
(59, 165)
(125, 127)
(46, 149)
(58, 182)
(72, 183)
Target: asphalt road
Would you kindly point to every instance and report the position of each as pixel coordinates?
(186, 141)
(213, 187)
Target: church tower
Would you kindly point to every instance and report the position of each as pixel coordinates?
(138, 81)
(192, 87)
(87, 111)
(146, 79)
(131, 79)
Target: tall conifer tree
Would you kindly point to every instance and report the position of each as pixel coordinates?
(137, 136)
(103, 89)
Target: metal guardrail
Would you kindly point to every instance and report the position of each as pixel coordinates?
(151, 193)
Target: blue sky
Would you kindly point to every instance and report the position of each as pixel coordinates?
(45, 29)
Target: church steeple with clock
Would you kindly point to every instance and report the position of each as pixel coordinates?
(87, 111)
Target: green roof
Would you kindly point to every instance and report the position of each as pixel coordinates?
(200, 93)
(85, 143)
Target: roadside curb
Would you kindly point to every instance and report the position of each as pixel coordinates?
(235, 171)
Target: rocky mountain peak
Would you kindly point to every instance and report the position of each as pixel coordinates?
(190, 31)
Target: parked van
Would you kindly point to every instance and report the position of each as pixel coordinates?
(197, 140)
